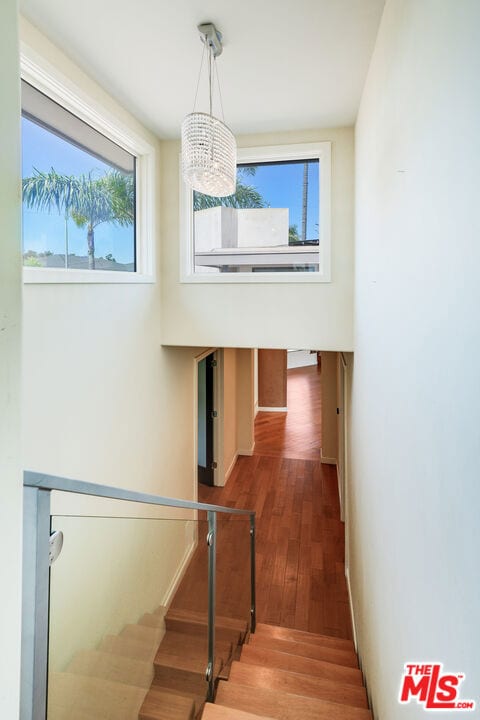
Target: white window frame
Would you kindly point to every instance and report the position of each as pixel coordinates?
(48, 80)
(301, 151)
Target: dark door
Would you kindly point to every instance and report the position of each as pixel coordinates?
(205, 420)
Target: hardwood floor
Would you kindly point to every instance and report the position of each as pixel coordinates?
(296, 433)
(300, 537)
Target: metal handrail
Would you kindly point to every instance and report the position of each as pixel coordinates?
(36, 567)
(52, 482)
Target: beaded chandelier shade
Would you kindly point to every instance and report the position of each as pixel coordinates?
(209, 150)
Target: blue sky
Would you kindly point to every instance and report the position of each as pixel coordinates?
(281, 185)
(43, 150)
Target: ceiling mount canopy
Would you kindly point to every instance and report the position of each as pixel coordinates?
(210, 35)
(209, 151)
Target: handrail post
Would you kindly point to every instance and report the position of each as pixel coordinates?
(253, 607)
(35, 605)
(212, 545)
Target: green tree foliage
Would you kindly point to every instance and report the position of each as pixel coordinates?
(245, 196)
(31, 261)
(293, 236)
(87, 199)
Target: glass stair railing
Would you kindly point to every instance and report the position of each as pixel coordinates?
(134, 605)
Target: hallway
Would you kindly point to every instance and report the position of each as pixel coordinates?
(300, 537)
(297, 433)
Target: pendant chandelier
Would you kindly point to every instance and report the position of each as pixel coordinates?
(209, 150)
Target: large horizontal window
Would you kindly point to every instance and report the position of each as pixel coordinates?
(87, 188)
(275, 226)
(78, 192)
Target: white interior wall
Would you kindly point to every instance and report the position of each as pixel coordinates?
(105, 403)
(10, 360)
(255, 381)
(245, 402)
(235, 423)
(230, 447)
(414, 494)
(329, 407)
(300, 358)
(266, 315)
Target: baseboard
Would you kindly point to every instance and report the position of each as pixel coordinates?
(230, 469)
(340, 496)
(248, 452)
(327, 460)
(354, 630)
(352, 614)
(178, 577)
(272, 409)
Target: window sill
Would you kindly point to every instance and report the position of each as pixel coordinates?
(58, 276)
(256, 277)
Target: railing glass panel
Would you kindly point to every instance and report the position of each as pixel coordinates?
(109, 638)
(94, 634)
(233, 586)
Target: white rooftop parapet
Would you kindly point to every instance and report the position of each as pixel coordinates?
(223, 227)
(263, 227)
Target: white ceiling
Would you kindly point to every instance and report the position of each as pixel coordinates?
(287, 64)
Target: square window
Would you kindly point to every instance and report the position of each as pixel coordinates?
(275, 228)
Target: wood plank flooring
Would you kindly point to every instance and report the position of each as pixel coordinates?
(300, 537)
(296, 433)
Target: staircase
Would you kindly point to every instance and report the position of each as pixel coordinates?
(151, 670)
(155, 670)
(277, 673)
(292, 675)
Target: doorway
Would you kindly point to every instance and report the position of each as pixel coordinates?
(206, 415)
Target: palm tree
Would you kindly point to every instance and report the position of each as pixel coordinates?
(90, 201)
(107, 199)
(43, 190)
(245, 196)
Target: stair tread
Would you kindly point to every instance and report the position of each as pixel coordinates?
(284, 706)
(177, 643)
(183, 673)
(221, 712)
(152, 620)
(164, 705)
(297, 663)
(197, 698)
(59, 713)
(201, 617)
(118, 668)
(297, 684)
(69, 693)
(129, 648)
(143, 633)
(284, 633)
(196, 624)
(316, 652)
(186, 662)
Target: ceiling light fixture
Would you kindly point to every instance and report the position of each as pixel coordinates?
(209, 150)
